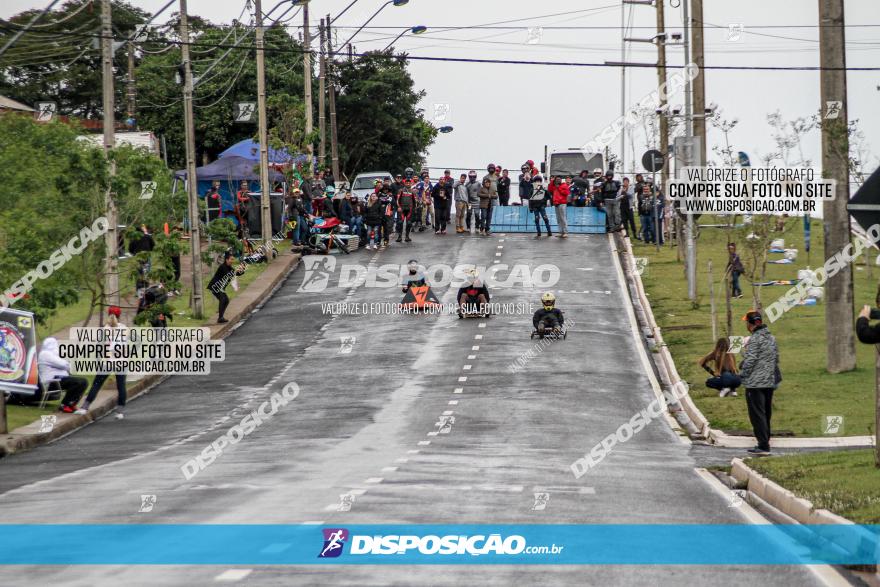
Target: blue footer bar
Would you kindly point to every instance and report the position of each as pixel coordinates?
(683, 544)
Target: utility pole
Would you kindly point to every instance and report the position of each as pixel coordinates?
(263, 133)
(307, 79)
(839, 339)
(334, 145)
(691, 248)
(131, 90)
(191, 180)
(699, 84)
(111, 263)
(661, 84)
(322, 121)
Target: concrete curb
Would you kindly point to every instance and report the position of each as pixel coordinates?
(240, 308)
(799, 509)
(669, 374)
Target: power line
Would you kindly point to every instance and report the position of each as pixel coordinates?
(500, 61)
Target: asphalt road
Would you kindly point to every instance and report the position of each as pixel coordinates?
(366, 423)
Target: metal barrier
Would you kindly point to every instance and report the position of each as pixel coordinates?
(518, 219)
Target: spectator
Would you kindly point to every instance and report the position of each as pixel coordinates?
(492, 176)
(609, 193)
(723, 373)
(760, 377)
(222, 277)
(485, 195)
(346, 212)
(627, 203)
(559, 191)
(296, 213)
(538, 205)
(214, 201)
(735, 268)
(865, 332)
(525, 184)
(406, 203)
(357, 216)
(424, 190)
(113, 322)
(645, 203)
(504, 188)
(374, 215)
(397, 185)
(473, 187)
(442, 196)
(53, 368)
(386, 198)
(461, 203)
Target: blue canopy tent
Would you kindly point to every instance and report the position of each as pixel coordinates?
(250, 149)
(230, 172)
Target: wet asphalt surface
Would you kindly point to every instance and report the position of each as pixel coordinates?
(367, 423)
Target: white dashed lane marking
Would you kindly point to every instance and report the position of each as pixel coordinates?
(458, 390)
(453, 402)
(475, 348)
(466, 368)
(374, 480)
(389, 469)
(462, 379)
(233, 575)
(424, 442)
(471, 357)
(478, 337)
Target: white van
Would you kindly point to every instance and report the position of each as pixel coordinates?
(364, 183)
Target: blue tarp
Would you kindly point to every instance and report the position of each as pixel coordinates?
(250, 149)
(518, 219)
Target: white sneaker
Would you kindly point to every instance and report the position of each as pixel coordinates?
(81, 412)
(119, 416)
(724, 392)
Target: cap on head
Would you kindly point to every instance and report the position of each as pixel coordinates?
(115, 311)
(753, 317)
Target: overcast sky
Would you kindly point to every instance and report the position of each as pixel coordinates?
(507, 113)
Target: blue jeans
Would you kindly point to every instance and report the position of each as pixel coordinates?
(373, 234)
(99, 380)
(541, 213)
(734, 283)
(647, 227)
(356, 225)
(487, 224)
(726, 379)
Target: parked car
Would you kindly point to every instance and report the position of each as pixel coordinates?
(364, 182)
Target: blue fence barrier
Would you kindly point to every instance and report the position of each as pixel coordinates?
(519, 219)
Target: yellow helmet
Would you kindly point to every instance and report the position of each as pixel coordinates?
(548, 299)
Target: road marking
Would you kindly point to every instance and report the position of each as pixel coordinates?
(358, 491)
(481, 325)
(566, 489)
(462, 379)
(402, 460)
(500, 246)
(432, 433)
(458, 390)
(496, 261)
(413, 452)
(466, 368)
(389, 469)
(453, 402)
(448, 413)
(500, 240)
(314, 523)
(584, 268)
(471, 357)
(478, 337)
(233, 575)
(374, 480)
(497, 254)
(424, 442)
(475, 348)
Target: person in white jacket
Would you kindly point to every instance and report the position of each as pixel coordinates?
(53, 368)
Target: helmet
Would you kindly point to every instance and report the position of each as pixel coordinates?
(330, 189)
(598, 170)
(491, 167)
(409, 172)
(609, 173)
(548, 300)
(530, 163)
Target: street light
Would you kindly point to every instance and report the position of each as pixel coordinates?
(445, 129)
(416, 30)
(381, 8)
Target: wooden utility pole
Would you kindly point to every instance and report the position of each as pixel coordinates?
(191, 180)
(699, 84)
(307, 80)
(334, 145)
(690, 244)
(661, 84)
(322, 92)
(840, 338)
(111, 263)
(131, 89)
(263, 133)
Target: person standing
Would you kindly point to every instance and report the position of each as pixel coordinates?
(387, 200)
(538, 205)
(646, 212)
(560, 191)
(406, 203)
(441, 194)
(222, 277)
(374, 216)
(493, 178)
(609, 193)
(525, 184)
(113, 314)
(760, 375)
(735, 268)
(504, 188)
(485, 194)
(627, 203)
(461, 202)
(423, 192)
(473, 187)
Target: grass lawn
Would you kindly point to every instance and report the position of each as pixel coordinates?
(73, 315)
(808, 393)
(844, 482)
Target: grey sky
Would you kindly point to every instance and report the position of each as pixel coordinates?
(507, 113)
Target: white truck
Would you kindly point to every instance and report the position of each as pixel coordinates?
(565, 162)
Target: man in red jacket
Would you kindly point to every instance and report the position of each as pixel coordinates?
(560, 191)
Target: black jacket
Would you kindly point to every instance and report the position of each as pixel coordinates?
(373, 213)
(345, 211)
(542, 313)
(867, 333)
(222, 277)
(504, 186)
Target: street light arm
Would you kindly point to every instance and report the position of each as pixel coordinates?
(335, 18)
(397, 38)
(381, 8)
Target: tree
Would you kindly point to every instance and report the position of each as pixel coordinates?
(381, 126)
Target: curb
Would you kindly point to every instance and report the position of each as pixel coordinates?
(797, 508)
(28, 436)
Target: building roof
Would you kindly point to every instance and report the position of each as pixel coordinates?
(10, 104)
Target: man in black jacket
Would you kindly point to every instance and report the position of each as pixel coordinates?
(867, 333)
(224, 274)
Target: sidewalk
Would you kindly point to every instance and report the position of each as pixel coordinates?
(27, 437)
